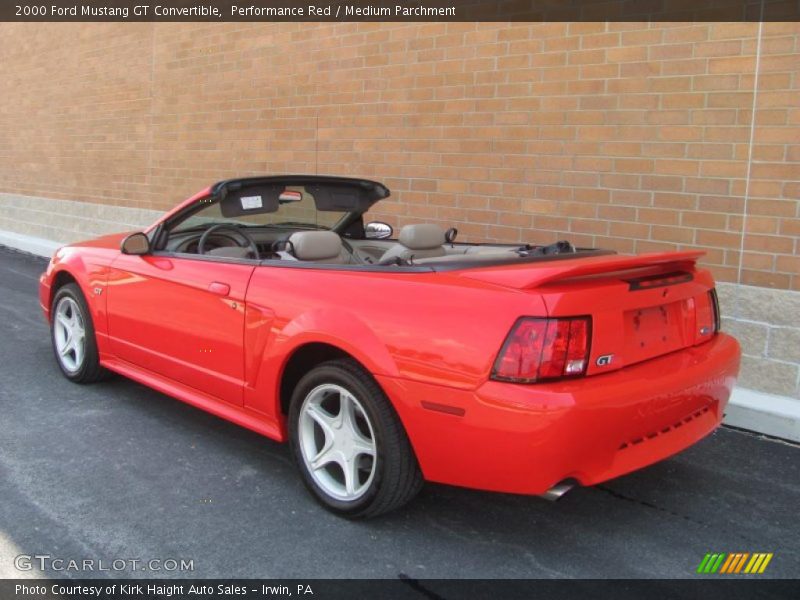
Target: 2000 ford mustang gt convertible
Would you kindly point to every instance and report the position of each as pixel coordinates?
(385, 362)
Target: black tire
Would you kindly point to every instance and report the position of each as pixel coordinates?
(89, 369)
(397, 477)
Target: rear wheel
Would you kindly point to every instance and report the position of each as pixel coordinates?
(72, 333)
(348, 442)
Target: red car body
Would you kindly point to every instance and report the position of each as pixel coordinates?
(219, 336)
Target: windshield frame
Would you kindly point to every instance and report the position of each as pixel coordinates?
(370, 192)
(177, 224)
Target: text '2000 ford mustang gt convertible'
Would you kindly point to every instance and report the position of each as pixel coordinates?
(385, 362)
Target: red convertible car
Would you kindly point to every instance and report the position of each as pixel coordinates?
(385, 362)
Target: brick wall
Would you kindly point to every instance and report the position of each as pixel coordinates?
(637, 137)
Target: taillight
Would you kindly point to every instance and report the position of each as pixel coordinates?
(706, 317)
(715, 307)
(538, 349)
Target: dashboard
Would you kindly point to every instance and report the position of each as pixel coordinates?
(264, 238)
(187, 242)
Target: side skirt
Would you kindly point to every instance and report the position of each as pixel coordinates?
(254, 421)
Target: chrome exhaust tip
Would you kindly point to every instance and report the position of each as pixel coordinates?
(558, 490)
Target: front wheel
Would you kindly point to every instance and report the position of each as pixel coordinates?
(349, 444)
(72, 333)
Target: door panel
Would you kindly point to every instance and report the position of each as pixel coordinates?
(182, 318)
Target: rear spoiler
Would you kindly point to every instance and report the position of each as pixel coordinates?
(532, 275)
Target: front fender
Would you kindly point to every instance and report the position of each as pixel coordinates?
(64, 261)
(88, 268)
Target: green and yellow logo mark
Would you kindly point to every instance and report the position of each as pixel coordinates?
(735, 562)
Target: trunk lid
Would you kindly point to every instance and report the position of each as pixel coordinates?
(640, 306)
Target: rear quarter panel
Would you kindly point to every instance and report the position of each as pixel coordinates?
(429, 327)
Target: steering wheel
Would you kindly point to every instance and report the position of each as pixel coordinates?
(243, 237)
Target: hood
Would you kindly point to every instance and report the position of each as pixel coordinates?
(111, 241)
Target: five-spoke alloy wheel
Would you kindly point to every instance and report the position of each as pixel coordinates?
(73, 337)
(348, 442)
(337, 442)
(69, 334)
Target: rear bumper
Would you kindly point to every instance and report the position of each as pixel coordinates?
(526, 438)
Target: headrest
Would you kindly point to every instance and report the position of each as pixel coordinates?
(424, 236)
(316, 245)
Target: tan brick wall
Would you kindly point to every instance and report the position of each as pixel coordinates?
(637, 137)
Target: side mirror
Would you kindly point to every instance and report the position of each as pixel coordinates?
(377, 230)
(136, 243)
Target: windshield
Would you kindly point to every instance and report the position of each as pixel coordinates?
(297, 210)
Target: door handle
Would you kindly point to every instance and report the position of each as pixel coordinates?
(221, 289)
